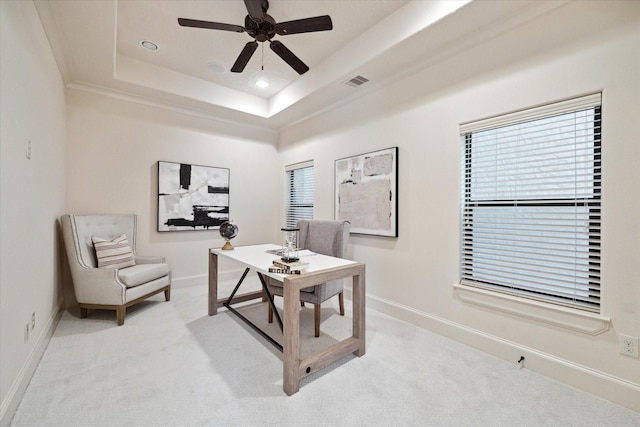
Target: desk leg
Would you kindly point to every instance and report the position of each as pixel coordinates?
(359, 327)
(291, 339)
(213, 283)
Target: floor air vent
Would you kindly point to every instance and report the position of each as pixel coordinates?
(356, 81)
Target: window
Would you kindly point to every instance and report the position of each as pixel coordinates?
(299, 193)
(530, 219)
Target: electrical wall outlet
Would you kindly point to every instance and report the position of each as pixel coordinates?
(628, 345)
(33, 320)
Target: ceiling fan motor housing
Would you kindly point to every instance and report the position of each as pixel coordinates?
(261, 31)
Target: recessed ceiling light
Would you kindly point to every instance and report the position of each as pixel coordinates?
(215, 67)
(262, 84)
(149, 45)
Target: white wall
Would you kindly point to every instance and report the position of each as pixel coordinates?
(580, 48)
(113, 147)
(32, 195)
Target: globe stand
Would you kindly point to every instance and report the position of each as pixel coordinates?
(228, 230)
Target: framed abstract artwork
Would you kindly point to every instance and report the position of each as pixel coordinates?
(192, 197)
(366, 192)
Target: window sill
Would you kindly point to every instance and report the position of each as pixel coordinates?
(575, 320)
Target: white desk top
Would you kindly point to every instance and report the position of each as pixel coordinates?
(257, 257)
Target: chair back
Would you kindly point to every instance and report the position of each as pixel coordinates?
(324, 237)
(79, 229)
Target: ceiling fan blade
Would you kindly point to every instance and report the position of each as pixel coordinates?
(307, 25)
(288, 57)
(244, 57)
(257, 9)
(195, 23)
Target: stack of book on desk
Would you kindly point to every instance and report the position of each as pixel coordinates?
(282, 267)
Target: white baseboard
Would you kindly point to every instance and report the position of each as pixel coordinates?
(203, 279)
(598, 383)
(19, 386)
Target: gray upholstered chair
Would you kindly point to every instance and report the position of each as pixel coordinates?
(113, 287)
(326, 238)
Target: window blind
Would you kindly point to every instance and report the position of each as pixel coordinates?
(531, 191)
(299, 193)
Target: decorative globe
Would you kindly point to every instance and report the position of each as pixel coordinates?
(228, 230)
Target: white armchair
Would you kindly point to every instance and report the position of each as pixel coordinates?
(110, 288)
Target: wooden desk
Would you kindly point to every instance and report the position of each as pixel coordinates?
(321, 269)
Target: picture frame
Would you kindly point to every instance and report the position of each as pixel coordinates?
(192, 197)
(366, 192)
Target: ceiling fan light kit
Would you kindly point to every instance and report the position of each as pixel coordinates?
(262, 27)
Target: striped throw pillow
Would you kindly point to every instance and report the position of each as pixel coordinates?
(114, 253)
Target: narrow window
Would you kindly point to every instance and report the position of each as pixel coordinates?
(531, 190)
(299, 193)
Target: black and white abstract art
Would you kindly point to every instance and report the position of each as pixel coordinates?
(192, 197)
(366, 192)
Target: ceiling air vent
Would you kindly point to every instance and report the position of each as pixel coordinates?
(356, 81)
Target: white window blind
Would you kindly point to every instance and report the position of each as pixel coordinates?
(531, 190)
(299, 193)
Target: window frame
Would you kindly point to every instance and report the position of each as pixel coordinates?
(593, 204)
(295, 211)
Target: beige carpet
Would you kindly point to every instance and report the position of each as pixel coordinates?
(173, 365)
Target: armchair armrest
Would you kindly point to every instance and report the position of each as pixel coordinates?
(98, 286)
(149, 259)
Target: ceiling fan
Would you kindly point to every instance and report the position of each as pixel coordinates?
(262, 27)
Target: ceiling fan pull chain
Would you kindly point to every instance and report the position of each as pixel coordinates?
(262, 67)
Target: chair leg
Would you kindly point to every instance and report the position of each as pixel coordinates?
(270, 313)
(120, 313)
(316, 319)
(167, 294)
(341, 302)
(84, 312)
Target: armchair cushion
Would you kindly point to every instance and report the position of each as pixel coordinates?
(114, 253)
(142, 273)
